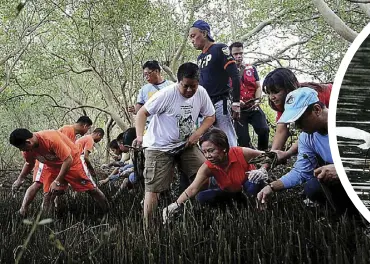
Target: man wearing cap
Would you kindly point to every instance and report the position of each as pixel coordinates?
(314, 165)
(217, 66)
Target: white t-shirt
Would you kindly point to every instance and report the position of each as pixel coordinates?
(174, 116)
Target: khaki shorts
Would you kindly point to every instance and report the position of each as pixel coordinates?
(159, 167)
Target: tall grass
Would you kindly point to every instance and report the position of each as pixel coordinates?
(289, 232)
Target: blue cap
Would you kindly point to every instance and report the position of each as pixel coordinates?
(203, 25)
(296, 103)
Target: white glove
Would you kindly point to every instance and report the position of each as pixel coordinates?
(168, 212)
(255, 176)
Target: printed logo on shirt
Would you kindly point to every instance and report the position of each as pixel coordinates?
(226, 51)
(185, 122)
(203, 62)
(248, 72)
(150, 94)
(290, 100)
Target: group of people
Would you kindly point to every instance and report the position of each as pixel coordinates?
(200, 123)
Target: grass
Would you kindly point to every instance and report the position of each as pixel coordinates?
(289, 232)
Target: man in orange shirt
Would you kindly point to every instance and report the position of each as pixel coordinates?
(86, 144)
(63, 165)
(82, 125)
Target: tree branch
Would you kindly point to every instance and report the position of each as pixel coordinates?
(261, 26)
(185, 37)
(276, 55)
(334, 21)
(365, 8)
(168, 70)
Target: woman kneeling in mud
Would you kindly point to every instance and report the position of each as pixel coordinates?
(226, 170)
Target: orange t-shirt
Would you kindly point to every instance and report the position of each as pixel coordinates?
(85, 143)
(53, 148)
(232, 179)
(69, 131)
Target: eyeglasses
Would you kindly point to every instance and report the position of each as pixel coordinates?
(147, 74)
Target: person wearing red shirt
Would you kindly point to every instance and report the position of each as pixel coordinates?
(277, 85)
(230, 168)
(250, 112)
(62, 158)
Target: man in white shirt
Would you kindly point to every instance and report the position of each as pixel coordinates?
(174, 111)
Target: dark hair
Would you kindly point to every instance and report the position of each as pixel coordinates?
(127, 137)
(113, 144)
(280, 79)
(217, 137)
(84, 120)
(284, 79)
(236, 45)
(99, 131)
(188, 70)
(19, 136)
(152, 65)
(310, 107)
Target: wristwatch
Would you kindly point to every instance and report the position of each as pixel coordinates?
(58, 183)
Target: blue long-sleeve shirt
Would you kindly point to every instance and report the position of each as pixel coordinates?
(309, 147)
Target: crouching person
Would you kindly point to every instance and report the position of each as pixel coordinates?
(174, 111)
(62, 164)
(314, 166)
(228, 167)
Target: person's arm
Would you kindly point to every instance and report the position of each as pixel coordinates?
(137, 107)
(302, 170)
(258, 93)
(141, 118)
(207, 123)
(257, 175)
(62, 173)
(88, 163)
(249, 153)
(281, 136)
(27, 167)
(202, 174)
(326, 173)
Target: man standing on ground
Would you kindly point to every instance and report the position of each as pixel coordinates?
(217, 66)
(152, 74)
(250, 112)
(174, 111)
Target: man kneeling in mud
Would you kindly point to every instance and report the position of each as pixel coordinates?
(314, 165)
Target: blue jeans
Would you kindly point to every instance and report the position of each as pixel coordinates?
(215, 195)
(225, 122)
(132, 177)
